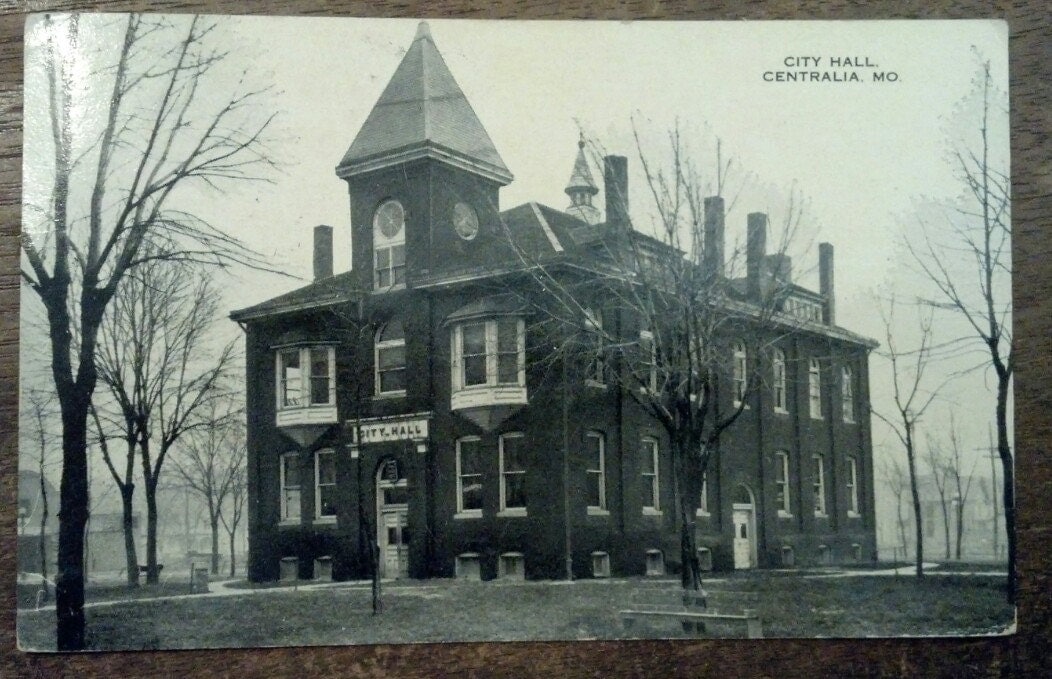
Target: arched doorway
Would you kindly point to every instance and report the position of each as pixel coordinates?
(744, 521)
(392, 510)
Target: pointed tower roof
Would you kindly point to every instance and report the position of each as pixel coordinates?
(423, 113)
(581, 177)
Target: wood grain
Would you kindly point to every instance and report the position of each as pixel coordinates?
(1020, 655)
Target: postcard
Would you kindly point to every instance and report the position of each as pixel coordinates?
(356, 331)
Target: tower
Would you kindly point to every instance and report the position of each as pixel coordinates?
(423, 175)
(581, 188)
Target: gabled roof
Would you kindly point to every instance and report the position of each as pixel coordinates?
(344, 287)
(423, 113)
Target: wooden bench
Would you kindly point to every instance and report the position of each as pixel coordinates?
(699, 608)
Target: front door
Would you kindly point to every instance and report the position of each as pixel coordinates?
(743, 537)
(394, 543)
(392, 512)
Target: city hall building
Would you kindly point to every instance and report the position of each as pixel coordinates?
(413, 405)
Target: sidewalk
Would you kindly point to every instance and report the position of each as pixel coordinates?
(237, 587)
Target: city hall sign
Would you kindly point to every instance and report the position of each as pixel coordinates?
(385, 430)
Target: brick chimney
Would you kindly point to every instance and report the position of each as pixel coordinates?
(755, 251)
(712, 257)
(615, 190)
(825, 282)
(322, 252)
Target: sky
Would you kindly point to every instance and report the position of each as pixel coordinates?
(863, 154)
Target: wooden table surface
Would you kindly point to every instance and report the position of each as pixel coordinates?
(1021, 655)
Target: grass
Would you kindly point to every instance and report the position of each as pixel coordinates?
(438, 611)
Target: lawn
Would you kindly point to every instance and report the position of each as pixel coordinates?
(496, 611)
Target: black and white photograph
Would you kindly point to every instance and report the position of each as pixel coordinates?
(385, 331)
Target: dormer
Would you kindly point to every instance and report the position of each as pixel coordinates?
(423, 176)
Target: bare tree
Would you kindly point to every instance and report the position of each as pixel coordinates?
(237, 495)
(125, 481)
(962, 482)
(965, 254)
(160, 131)
(211, 461)
(911, 400)
(939, 470)
(897, 481)
(148, 359)
(39, 408)
(698, 307)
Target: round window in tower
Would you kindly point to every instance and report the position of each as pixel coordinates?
(389, 219)
(465, 221)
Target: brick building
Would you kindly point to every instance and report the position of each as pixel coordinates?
(413, 401)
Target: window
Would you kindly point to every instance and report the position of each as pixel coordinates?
(489, 353)
(649, 469)
(390, 359)
(595, 472)
(847, 394)
(469, 477)
(852, 487)
(467, 566)
(781, 404)
(740, 374)
(325, 484)
(814, 388)
(290, 487)
(389, 245)
(781, 483)
(703, 499)
(305, 377)
(512, 566)
(647, 375)
(512, 474)
(819, 484)
(594, 323)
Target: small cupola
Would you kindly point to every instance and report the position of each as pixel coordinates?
(581, 188)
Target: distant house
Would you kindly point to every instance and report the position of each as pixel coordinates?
(32, 533)
(405, 400)
(983, 537)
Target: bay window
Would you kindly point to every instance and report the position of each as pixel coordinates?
(489, 362)
(306, 384)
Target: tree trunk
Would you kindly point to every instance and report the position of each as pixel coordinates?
(691, 571)
(43, 530)
(916, 501)
(1008, 479)
(131, 559)
(685, 496)
(73, 517)
(960, 526)
(152, 574)
(946, 528)
(233, 567)
(215, 544)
